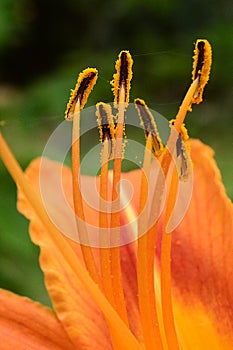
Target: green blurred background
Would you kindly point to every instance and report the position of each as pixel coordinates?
(43, 46)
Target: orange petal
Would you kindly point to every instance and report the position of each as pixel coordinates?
(56, 205)
(202, 248)
(78, 313)
(196, 329)
(129, 276)
(25, 324)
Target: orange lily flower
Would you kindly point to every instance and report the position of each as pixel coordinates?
(149, 277)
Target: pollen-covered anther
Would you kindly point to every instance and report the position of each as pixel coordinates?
(106, 128)
(149, 125)
(85, 83)
(183, 159)
(201, 67)
(122, 77)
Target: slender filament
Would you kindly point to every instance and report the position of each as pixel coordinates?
(115, 215)
(145, 262)
(78, 201)
(166, 297)
(105, 256)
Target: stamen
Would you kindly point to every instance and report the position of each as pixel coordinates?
(201, 67)
(106, 127)
(121, 88)
(200, 76)
(166, 297)
(148, 123)
(145, 261)
(186, 105)
(178, 141)
(183, 158)
(125, 338)
(122, 77)
(184, 162)
(167, 311)
(85, 83)
(83, 87)
(147, 243)
(106, 130)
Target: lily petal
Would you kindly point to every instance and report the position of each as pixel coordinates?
(196, 329)
(129, 274)
(74, 307)
(202, 258)
(25, 325)
(82, 301)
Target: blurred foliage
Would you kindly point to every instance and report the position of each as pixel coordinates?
(43, 46)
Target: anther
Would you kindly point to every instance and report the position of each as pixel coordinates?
(106, 126)
(149, 125)
(183, 159)
(122, 77)
(84, 85)
(201, 67)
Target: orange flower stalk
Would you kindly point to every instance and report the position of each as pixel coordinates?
(153, 281)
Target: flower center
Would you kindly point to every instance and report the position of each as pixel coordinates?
(158, 332)
(105, 284)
